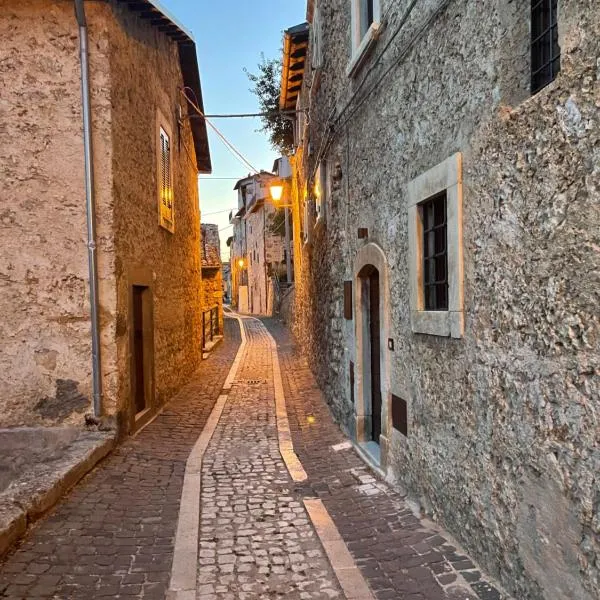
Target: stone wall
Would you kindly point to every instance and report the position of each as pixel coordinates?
(503, 423)
(212, 275)
(45, 352)
(146, 79)
(45, 357)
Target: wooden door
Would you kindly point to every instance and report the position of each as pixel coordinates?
(374, 331)
(138, 371)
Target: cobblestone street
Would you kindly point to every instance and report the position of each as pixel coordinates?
(112, 537)
(116, 534)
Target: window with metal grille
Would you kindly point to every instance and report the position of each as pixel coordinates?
(165, 180)
(545, 51)
(435, 252)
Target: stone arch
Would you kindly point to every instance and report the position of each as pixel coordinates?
(371, 259)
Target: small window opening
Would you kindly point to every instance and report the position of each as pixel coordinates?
(435, 252)
(545, 51)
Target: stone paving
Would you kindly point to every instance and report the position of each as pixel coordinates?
(256, 539)
(400, 556)
(113, 535)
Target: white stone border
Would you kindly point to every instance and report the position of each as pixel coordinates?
(348, 574)
(185, 557)
(446, 176)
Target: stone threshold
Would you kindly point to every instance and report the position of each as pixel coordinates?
(210, 346)
(33, 494)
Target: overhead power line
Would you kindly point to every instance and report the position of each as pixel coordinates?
(229, 145)
(209, 178)
(218, 212)
(249, 115)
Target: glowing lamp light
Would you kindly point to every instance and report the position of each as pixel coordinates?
(241, 263)
(310, 419)
(276, 192)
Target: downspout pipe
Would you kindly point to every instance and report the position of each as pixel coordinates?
(90, 203)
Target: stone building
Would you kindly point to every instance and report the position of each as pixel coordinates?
(257, 254)
(145, 155)
(448, 179)
(212, 281)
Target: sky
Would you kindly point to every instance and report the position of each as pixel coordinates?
(230, 36)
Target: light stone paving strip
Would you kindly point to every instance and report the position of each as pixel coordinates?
(256, 538)
(256, 535)
(185, 557)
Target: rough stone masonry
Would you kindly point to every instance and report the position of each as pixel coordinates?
(503, 423)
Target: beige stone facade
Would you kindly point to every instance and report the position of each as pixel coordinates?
(136, 74)
(489, 412)
(257, 250)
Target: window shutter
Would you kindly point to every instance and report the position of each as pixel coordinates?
(348, 300)
(165, 181)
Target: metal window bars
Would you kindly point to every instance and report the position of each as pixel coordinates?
(435, 252)
(545, 50)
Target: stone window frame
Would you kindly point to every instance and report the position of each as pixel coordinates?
(316, 40)
(361, 45)
(444, 177)
(162, 125)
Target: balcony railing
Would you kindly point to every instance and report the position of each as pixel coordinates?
(210, 325)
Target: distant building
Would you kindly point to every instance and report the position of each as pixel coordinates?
(212, 283)
(257, 253)
(226, 274)
(145, 161)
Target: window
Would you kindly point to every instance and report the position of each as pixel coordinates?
(366, 16)
(435, 250)
(545, 51)
(316, 40)
(365, 30)
(164, 174)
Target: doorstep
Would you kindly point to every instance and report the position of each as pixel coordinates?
(210, 346)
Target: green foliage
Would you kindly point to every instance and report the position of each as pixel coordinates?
(266, 84)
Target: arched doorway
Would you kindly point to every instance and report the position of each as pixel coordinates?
(371, 350)
(372, 369)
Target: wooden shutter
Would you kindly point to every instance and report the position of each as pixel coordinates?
(348, 300)
(165, 181)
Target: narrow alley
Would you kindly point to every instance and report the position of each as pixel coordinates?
(336, 532)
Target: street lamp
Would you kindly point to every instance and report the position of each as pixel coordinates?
(276, 189)
(241, 263)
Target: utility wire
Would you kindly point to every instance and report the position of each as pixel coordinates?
(217, 212)
(443, 5)
(233, 149)
(209, 178)
(272, 113)
(377, 61)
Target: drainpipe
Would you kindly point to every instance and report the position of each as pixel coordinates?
(90, 207)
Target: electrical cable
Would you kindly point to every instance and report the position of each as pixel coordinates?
(248, 115)
(233, 149)
(218, 212)
(377, 61)
(443, 5)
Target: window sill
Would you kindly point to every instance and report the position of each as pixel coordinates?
(362, 51)
(440, 323)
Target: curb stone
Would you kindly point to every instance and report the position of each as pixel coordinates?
(19, 510)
